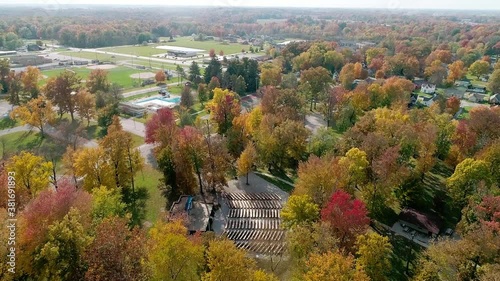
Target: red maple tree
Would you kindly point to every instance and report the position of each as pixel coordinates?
(347, 217)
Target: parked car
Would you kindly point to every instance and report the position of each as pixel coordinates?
(448, 232)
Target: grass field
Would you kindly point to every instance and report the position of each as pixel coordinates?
(149, 178)
(231, 48)
(119, 59)
(119, 75)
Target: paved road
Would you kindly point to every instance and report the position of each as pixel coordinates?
(134, 127)
(464, 103)
(314, 121)
(24, 128)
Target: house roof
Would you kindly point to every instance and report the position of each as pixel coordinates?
(495, 98)
(429, 222)
(457, 90)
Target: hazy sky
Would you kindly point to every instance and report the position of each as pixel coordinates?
(380, 4)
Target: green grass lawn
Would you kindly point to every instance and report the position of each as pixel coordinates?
(149, 178)
(14, 143)
(231, 48)
(465, 112)
(137, 140)
(119, 75)
(141, 96)
(476, 82)
(6, 123)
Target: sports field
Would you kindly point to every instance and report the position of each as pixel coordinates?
(120, 75)
(119, 59)
(188, 42)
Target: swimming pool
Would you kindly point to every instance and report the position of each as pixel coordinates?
(159, 102)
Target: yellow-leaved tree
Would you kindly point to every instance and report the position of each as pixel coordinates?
(333, 266)
(172, 254)
(37, 112)
(246, 160)
(374, 255)
(32, 172)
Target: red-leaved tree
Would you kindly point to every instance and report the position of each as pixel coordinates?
(347, 217)
(160, 128)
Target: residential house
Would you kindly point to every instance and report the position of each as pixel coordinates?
(478, 90)
(495, 99)
(463, 83)
(458, 92)
(419, 221)
(427, 101)
(475, 97)
(428, 88)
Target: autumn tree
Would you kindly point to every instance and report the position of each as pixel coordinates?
(61, 91)
(32, 172)
(125, 161)
(315, 178)
(401, 65)
(285, 104)
(202, 93)
(85, 105)
(37, 112)
(92, 165)
(191, 150)
(317, 80)
(374, 255)
(333, 61)
(466, 179)
(494, 82)
(224, 107)
(172, 255)
(355, 167)
(61, 256)
(186, 97)
(247, 160)
(347, 76)
(348, 218)
(30, 78)
(462, 259)
(436, 73)
(211, 53)
(226, 262)
(160, 77)
(281, 145)
(270, 74)
(116, 252)
(299, 209)
(333, 266)
(452, 105)
(479, 68)
(214, 84)
(106, 203)
(456, 71)
(98, 81)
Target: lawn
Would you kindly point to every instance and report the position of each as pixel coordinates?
(14, 143)
(137, 140)
(119, 75)
(476, 82)
(149, 178)
(231, 48)
(117, 59)
(141, 96)
(465, 112)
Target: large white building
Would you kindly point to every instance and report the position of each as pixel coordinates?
(180, 51)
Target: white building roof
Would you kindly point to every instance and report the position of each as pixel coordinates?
(179, 49)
